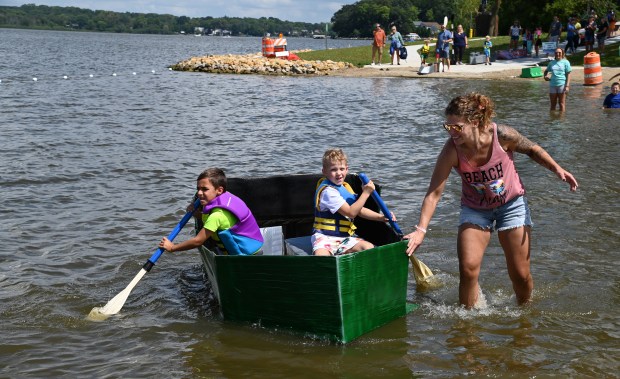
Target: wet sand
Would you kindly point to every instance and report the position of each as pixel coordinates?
(507, 73)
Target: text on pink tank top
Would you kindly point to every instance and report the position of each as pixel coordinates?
(493, 184)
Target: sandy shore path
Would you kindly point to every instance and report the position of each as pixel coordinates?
(500, 69)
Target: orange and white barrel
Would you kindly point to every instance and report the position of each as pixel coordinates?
(268, 49)
(592, 71)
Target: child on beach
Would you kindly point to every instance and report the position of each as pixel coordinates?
(335, 207)
(487, 50)
(538, 42)
(424, 51)
(225, 219)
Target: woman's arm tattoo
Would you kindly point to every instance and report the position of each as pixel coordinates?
(516, 140)
(523, 145)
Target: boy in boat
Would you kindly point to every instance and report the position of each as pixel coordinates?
(225, 219)
(335, 207)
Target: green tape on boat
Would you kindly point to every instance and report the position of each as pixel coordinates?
(339, 298)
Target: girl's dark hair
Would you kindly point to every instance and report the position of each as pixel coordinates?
(216, 176)
(474, 107)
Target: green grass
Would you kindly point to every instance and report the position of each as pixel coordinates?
(359, 55)
(610, 59)
(362, 55)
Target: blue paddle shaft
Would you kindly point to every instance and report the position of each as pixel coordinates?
(381, 204)
(149, 264)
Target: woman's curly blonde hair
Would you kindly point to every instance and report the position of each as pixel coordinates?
(475, 107)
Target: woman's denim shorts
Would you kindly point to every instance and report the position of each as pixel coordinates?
(513, 214)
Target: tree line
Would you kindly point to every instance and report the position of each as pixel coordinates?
(353, 20)
(32, 16)
(356, 20)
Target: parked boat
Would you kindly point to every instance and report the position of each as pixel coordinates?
(318, 36)
(338, 298)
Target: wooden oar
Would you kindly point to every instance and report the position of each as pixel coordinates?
(421, 272)
(114, 306)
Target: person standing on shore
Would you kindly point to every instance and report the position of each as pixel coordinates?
(487, 44)
(443, 47)
(424, 51)
(571, 32)
(611, 18)
(590, 31)
(555, 30)
(396, 42)
(460, 43)
(601, 35)
(538, 41)
(514, 32)
(378, 42)
(493, 196)
(559, 82)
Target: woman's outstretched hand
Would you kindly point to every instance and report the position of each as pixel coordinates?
(567, 177)
(415, 240)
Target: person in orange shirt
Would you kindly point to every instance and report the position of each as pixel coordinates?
(377, 43)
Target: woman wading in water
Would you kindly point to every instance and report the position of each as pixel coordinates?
(493, 197)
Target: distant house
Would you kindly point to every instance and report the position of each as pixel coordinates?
(432, 26)
(220, 32)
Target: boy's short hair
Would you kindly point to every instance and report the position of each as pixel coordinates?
(216, 176)
(334, 155)
(615, 84)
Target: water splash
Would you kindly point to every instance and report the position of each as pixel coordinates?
(96, 315)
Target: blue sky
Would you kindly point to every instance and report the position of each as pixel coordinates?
(289, 10)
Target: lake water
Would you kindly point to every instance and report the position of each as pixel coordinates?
(95, 170)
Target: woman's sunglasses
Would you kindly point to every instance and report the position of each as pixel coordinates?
(456, 127)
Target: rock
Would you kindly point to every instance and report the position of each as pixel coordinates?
(257, 64)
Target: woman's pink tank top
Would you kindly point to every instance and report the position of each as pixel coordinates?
(493, 184)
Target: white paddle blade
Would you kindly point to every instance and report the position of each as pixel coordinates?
(114, 306)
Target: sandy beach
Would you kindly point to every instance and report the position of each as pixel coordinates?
(498, 70)
(507, 72)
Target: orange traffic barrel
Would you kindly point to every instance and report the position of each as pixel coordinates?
(268, 50)
(592, 72)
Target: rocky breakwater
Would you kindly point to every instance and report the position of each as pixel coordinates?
(257, 64)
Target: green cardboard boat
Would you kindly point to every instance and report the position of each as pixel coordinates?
(338, 298)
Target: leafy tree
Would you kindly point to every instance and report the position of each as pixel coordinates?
(465, 12)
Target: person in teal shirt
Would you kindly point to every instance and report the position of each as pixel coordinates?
(559, 80)
(487, 50)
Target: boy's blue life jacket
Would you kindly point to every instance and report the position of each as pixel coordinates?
(243, 238)
(333, 224)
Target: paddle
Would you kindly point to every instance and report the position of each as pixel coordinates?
(114, 306)
(421, 271)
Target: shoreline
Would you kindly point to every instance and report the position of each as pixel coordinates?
(508, 73)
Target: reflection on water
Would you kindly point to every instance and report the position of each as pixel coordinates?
(96, 170)
(481, 351)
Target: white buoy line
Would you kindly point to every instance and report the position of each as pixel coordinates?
(74, 77)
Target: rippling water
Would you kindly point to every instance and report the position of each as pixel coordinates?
(96, 169)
